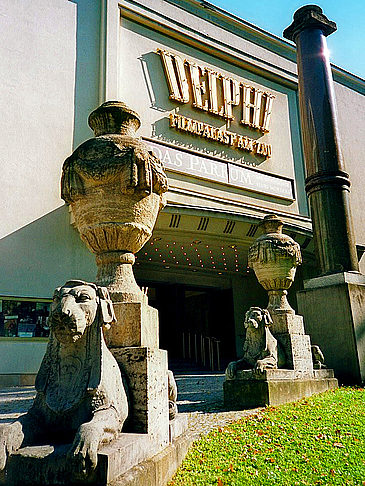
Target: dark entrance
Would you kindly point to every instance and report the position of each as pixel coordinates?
(196, 324)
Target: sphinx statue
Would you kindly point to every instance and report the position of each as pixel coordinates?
(80, 398)
(260, 350)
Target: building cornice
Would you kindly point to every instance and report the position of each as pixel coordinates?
(248, 31)
(170, 27)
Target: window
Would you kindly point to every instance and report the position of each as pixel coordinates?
(24, 318)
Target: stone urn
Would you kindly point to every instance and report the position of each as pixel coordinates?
(115, 187)
(274, 258)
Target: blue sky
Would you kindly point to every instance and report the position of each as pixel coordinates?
(346, 45)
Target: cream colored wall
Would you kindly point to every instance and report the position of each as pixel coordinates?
(351, 123)
(37, 52)
(43, 255)
(50, 54)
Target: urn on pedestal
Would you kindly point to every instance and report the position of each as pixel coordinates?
(274, 258)
(115, 187)
(276, 366)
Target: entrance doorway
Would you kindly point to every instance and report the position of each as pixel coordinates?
(196, 324)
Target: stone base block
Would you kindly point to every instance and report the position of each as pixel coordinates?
(146, 372)
(158, 470)
(288, 329)
(121, 455)
(178, 426)
(281, 374)
(333, 307)
(273, 387)
(298, 352)
(49, 465)
(287, 322)
(137, 325)
(40, 465)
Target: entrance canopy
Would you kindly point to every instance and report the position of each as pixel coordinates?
(196, 239)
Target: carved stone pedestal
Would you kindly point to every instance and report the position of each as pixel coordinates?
(146, 372)
(254, 388)
(48, 465)
(147, 432)
(334, 310)
(251, 389)
(288, 329)
(138, 325)
(116, 187)
(134, 344)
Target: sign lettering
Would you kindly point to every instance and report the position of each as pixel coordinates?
(225, 137)
(207, 86)
(189, 163)
(222, 172)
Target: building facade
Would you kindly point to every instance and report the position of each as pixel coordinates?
(218, 102)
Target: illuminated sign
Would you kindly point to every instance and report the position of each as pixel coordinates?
(216, 93)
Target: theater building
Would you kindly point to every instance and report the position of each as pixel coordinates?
(218, 101)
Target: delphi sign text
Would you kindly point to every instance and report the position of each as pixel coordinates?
(217, 94)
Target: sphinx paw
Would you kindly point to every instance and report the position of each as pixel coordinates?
(84, 450)
(6, 445)
(260, 366)
(231, 370)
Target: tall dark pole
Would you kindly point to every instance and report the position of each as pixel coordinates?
(327, 183)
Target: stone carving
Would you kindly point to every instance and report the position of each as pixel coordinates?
(80, 396)
(260, 350)
(318, 358)
(115, 187)
(274, 257)
(172, 389)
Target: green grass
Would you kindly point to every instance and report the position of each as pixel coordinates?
(319, 440)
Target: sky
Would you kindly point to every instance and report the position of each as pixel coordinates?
(346, 45)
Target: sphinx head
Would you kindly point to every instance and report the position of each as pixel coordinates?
(256, 317)
(76, 306)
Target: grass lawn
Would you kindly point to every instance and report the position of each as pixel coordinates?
(318, 440)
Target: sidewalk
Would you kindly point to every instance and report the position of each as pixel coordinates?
(200, 396)
(14, 402)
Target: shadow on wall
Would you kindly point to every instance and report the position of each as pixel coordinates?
(161, 131)
(87, 75)
(43, 255)
(155, 82)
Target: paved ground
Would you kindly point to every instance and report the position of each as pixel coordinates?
(199, 395)
(14, 402)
